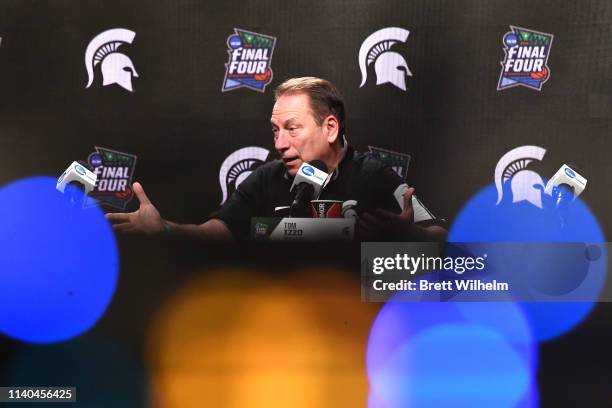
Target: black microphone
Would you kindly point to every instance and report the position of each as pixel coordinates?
(305, 183)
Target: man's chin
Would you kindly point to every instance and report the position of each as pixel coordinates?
(293, 167)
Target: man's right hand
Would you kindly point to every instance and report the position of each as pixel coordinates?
(144, 220)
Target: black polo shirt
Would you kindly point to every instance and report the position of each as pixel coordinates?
(358, 177)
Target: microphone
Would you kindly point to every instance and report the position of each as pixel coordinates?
(564, 187)
(308, 182)
(75, 183)
(566, 175)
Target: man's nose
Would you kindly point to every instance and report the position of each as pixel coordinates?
(281, 143)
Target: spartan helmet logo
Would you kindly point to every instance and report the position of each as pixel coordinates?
(117, 68)
(238, 166)
(388, 65)
(513, 166)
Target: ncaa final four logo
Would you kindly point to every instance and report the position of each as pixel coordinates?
(250, 56)
(114, 185)
(526, 57)
(398, 161)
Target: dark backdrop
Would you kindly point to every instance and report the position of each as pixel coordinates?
(181, 126)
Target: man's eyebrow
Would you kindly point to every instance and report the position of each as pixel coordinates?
(291, 121)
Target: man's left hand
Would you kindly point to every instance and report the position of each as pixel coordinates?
(386, 225)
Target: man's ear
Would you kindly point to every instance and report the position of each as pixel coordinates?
(331, 125)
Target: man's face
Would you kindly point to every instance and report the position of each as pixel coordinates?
(297, 137)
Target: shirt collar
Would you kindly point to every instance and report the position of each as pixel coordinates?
(342, 157)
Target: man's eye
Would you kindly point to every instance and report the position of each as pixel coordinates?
(292, 128)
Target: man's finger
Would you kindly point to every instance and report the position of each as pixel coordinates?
(118, 217)
(370, 228)
(408, 199)
(385, 215)
(123, 227)
(372, 221)
(140, 194)
(365, 226)
(368, 218)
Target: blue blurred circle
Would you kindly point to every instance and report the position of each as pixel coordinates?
(59, 263)
(458, 365)
(481, 220)
(234, 42)
(399, 323)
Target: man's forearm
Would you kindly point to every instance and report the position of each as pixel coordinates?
(213, 230)
(423, 232)
(434, 233)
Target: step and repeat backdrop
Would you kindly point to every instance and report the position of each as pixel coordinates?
(455, 95)
(477, 104)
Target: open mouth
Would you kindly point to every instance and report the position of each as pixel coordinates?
(290, 161)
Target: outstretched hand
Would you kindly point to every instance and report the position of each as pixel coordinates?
(144, 220)
(386, 225)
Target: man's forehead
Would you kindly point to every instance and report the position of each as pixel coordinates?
(294, 105)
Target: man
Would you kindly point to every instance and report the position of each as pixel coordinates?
(308, 122)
